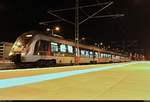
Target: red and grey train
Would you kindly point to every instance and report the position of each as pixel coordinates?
(44, 50)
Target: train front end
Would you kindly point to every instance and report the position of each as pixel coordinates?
(20, 48)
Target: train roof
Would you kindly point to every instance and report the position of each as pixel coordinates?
(60, 39)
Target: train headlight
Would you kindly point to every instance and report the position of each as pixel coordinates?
(11, 53)
(18, 43)
(22, 54)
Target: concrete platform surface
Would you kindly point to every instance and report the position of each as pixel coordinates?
(130, 82)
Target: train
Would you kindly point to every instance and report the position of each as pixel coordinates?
(41, 49)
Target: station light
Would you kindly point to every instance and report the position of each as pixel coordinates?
(57, 28)
(101, 43)
(47, 29)
(52, 30)
(83, 38)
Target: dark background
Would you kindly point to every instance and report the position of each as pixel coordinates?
(18, 16)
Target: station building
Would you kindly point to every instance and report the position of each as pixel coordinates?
(5, 48)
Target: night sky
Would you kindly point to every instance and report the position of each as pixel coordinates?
(18, 16)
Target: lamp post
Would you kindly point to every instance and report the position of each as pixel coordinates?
(52, 30)
(99, 45)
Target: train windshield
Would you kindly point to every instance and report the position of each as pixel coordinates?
(22, 43)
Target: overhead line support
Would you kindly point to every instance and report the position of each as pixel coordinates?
(96, 12)
(61, 18)
(86, 6)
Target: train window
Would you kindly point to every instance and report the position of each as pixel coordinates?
(102, 55)
(91, 54)
(87, 53)
(36, 49)
(105, 55)
(82, 52)
(96, 54)
(99, 55)
(70, 49)
(44, 45)
(41, 47)
(62, 48)
(109, 55)
(54, 47)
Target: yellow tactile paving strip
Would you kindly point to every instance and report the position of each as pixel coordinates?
(131, 82)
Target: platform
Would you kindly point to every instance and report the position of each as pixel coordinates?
(129, 82)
